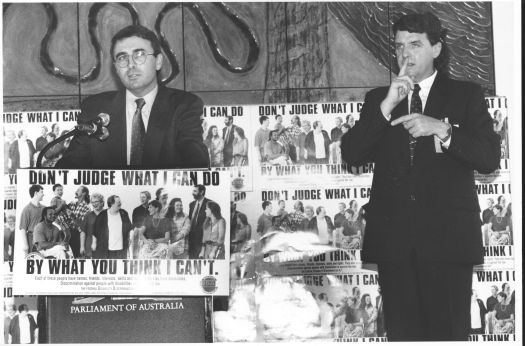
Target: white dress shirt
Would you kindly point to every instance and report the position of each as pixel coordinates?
(131, 107)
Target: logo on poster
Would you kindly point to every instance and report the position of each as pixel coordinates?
(209, 284)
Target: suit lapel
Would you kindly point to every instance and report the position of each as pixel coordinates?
(159, 121)
(436, 98)
(117, 127)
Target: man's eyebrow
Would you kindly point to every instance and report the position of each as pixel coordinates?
(120, 54)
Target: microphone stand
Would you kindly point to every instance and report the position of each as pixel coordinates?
(50, 144)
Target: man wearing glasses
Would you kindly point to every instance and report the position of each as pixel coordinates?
(151, 126)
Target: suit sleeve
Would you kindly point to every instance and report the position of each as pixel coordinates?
(358, 144)
(475, 141)
(194, 152)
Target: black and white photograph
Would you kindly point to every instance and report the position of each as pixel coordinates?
(244, 153)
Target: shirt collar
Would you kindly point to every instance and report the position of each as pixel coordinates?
(426, 84)
(148, 98)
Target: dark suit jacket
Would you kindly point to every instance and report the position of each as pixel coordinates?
(14, 329)
(309, 144)
(195, 236)
(482, 312)
(14, 155)
(101, 232)
(443, 224)
(173, 138)
(228, 145)
(40, 143)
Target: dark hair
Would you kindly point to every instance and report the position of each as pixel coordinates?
(86, 191)
(171, 208)
(346, 126)
(271, 133)
(503, 286)
(155, 204)
(502, 294)
(427, 23)
(53, 126)
(51, 134)
(239, 131)
(20, 133)
(318, 209)
(363, 300)
(209, 136)
(215, 209)
(157, 193)
(349, 211)
(138, 31)
(265, 204)
(243, 218)
(111, 200)
(44, 212)
(315, 124)
(499, 199)
(262, 119)
(201, 188)
(22, 307)
(55, 187)
(34, 189)
(301, 207)
(499, 207)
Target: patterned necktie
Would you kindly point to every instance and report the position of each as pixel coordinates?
(195, 213)
(416, 106)
(138, 132)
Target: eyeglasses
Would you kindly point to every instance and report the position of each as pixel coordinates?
(138, 56)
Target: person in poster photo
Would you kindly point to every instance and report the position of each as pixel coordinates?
(23, 328)
(9, 236)
(155, 233)
(47, 237)
(31, 216)
(426, 134)
(261, 137)
(21, 153)
(180, 228)
(112, 228)
(151, 126)
(215, 145)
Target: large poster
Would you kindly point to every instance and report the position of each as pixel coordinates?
(175, 243)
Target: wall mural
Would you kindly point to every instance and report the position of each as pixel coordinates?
(281, 52)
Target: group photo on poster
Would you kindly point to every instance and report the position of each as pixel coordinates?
(293, 134)
(493, 310)
(148, 215)
(27, 133)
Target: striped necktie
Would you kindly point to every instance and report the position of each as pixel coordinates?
(416, 106)
(138, 133)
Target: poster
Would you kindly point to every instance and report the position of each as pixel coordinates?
(130, 254)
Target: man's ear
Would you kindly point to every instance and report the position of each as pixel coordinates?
(158, 61)
(436, 49)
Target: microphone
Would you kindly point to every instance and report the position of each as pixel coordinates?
(96, 127)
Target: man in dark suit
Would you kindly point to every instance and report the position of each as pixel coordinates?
(151, 126)
(197, 217)
(23, 328)
(111, 233)
(317, 144)
(426, 134)
(227, 136)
